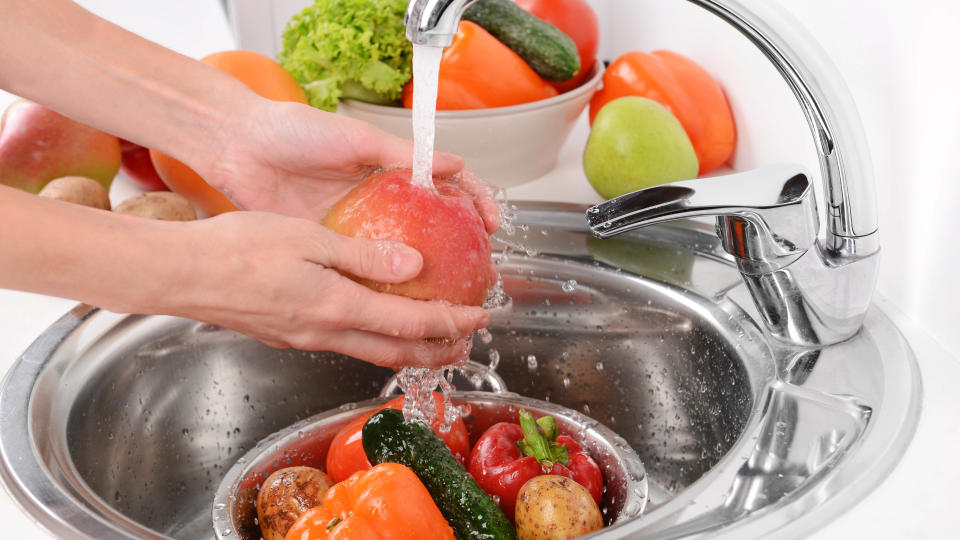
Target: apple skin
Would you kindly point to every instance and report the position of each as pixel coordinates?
(636, 143)
(139, 168)
(38, 145)
(442, 225)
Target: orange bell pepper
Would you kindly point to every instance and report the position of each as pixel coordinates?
(683, 87)
(478, 72)
(387, 502)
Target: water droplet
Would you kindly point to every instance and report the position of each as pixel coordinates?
(569, 286)
(599, 365)
(494, 356)
(532, 362)
(566, 382)
(485, 336)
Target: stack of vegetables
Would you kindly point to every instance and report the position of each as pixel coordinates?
(504, 53)
(389, 478)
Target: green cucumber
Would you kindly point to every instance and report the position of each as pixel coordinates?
(387, 438)
(550, 52)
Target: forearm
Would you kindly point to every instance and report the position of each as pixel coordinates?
(113, 261)
(60, 55)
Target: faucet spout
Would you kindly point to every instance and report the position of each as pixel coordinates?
(434, 22)
(812, 287)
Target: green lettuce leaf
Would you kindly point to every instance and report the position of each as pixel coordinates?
(359, 42)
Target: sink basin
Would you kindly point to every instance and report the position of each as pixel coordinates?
(121, 426)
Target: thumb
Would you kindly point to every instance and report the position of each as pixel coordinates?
(378, 260)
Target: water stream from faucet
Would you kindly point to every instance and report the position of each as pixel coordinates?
(426, 73)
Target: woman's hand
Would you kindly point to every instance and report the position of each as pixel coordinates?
(295, 160)
(275, 278)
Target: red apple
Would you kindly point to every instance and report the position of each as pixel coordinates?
(38, 145)
(138, 167)
(443, 225)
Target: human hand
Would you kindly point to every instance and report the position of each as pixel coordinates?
(275, 278)
(296, 160)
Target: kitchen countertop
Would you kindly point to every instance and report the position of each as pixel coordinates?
(911, 503)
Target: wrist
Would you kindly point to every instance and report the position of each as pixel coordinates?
(221, 129)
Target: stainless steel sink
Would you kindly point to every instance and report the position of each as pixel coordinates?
(118, 426)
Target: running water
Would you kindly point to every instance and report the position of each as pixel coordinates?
(418, 384)
(426, 72)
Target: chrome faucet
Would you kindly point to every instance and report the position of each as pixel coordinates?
(811, 287)
(434, 22)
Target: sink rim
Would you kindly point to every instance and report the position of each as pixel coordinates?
(59, 513)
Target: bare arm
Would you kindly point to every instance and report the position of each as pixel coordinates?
(269, 276)
(61, 55)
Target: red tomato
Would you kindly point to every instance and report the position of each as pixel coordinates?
(138, 167)
(346, 455)
(576, 19)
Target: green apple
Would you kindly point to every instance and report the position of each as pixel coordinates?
(636, 143)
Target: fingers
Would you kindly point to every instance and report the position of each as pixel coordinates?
(384, 261)
(402, 317)
(483, 198)
(394, 352)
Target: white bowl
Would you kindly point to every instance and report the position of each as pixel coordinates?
(506, 146)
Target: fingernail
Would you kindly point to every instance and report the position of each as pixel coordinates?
(406, 262)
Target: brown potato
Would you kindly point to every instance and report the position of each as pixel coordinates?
(77, 190)
(164, 205)
(286, 495)
(552, 507)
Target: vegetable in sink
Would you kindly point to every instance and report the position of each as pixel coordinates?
(387, 502)
(470, 511)
(508, 455)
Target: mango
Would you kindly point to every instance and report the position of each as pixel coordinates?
(38, 145)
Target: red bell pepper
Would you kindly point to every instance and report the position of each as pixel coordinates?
(507, 455)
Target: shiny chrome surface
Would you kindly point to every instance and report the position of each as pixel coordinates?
(434, 22)
(121, 426)
(823, 296)
(765, 224)
(306, 443)
(830, 111)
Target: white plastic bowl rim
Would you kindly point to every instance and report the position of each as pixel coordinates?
(588, 85)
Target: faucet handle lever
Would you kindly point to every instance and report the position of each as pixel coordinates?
(766, 218)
